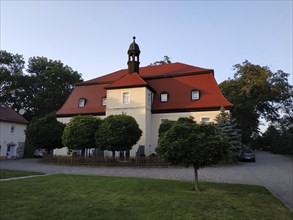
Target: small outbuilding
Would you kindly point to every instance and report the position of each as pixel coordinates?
(12, 135)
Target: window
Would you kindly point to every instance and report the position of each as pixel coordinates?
(194, 95)
(104, 101)
(12, 129)
(81, 102)
(164, 97)
(149, 98)
(125, 98)
(205, 120)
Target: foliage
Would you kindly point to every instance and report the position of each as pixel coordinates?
(54, 82)
(13, 82)
(118, 133)
(43, 90)
(227, 125)
(45, 132)
(100, 197)
(192, 144)
(278, 141)
(165, 126)
(257, 92)
(166, 60)
(79, 132)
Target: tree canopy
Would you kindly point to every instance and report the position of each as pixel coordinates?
(45, 132)
(192, 144)
(256, 92)
(278, 138)
(42, 90)
(118, 133)
(165, 60)
(79, 132)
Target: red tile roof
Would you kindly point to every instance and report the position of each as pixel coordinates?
(179, 89)
(128, 80)
(9, 115)
(93, 95)
(177, 79)
(165, 70)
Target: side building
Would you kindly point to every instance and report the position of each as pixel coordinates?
(12, 136)
(150, 94)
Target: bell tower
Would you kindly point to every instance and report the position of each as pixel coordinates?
(133, 57)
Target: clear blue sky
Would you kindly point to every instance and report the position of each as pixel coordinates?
(93, 37)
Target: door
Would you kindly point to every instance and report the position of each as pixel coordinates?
(8, 154)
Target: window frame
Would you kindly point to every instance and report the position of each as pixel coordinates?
(104, 101)
(123, 100)
(167, 96)
(80, 101)
(198, 94)
(205, 122)
(12, 129)
(149, 98)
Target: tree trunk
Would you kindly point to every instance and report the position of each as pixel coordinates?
(196, 186)
(113, 154)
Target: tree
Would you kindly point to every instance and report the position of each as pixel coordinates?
(256, 92)
(278, 140)
(165, 126)
(192, 144)
(53, 82)
(118, 133)
(43, 90)
(79, 132)
(13, 82)
(45, 132)
(166, 60)
(227, 125)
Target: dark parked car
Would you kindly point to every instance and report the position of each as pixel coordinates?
(246, 155)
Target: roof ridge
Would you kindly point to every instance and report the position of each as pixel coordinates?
(146, 72)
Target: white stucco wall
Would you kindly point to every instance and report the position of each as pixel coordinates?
(9, 136)
(138, 107)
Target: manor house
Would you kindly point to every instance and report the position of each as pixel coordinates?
(150, 94)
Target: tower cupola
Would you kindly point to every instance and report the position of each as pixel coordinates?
(133, 57)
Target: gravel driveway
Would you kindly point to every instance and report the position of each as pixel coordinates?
(275, 172)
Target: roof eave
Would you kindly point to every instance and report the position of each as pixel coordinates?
(177, 110)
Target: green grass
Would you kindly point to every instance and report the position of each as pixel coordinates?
(90, 197)
(5, 174)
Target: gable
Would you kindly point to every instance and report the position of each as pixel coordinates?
(128, 81)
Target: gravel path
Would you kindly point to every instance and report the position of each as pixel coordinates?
(275, 172)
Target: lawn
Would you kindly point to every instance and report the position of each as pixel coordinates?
(90, 197)
(5, 174)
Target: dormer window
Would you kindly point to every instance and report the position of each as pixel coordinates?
(81, 102)
(164, 97)
(194, 95)
(104, 101)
